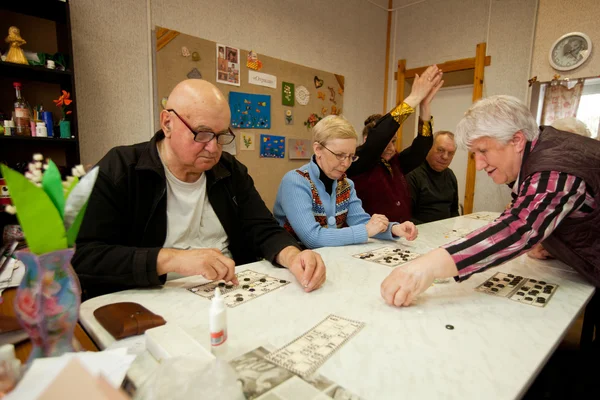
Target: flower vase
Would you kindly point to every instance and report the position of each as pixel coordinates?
(65, 129)
(47, 302)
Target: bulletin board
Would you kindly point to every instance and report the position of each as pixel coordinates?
(179, 54)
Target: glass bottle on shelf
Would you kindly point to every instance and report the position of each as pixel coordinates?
(22, 113)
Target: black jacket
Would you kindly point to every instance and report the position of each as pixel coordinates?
(125, 224)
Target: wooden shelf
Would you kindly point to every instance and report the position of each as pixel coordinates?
(42, 85)
(53, 10)
(34, 139)
(35, 73)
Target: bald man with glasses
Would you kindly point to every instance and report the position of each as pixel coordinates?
(177, 205)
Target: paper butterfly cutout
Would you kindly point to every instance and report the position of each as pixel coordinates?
(532, 80)
(321, 95)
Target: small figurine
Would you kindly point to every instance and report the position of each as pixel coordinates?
(15, 53)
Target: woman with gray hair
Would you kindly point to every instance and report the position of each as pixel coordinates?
(555, 180)
(317, 203)
(573, 125)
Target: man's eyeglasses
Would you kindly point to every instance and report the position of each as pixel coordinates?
(341, 157)
(207, 136)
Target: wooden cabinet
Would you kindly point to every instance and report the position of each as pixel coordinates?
(45, 25)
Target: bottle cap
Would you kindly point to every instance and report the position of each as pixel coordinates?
(17, 84)
(40, 124)
(217, 301)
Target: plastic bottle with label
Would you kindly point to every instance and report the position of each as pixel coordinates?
(218, 325)
(40, 129)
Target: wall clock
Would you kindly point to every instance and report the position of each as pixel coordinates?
(570, 51)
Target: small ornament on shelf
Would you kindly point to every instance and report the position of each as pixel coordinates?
(15, 53)
(65, 125)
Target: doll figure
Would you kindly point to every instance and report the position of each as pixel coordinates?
(15, 53)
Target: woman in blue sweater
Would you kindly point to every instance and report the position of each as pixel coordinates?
(318, 204)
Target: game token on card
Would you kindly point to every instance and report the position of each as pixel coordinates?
(390, 256)
(517, 288)
(251, 285)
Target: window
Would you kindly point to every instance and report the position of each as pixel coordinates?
(588, 111)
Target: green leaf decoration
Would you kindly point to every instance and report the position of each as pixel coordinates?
(74, 228)
(52, 185)
(79, 197)
(40, 220)
(70, 188)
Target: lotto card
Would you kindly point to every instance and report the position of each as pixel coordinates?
(390, 256)
(263, 380)
(252, 285)
(534, 292)
(517, 288)
(308, 352)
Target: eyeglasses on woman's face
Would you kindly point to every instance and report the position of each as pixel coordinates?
(341, 157)
(207, 136)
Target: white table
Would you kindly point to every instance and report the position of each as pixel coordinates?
(496, 350)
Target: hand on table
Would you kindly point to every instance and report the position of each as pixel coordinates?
(209, 263)
(539, 252)
(406, 282)
(377, 224)
(307, 266)
(407, 230)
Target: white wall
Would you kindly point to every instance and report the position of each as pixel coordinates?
(435, 31)
(111, 52)
(448, 107)
(557, 17)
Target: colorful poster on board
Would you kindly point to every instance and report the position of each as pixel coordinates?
(228, 65)
(287, 94)
(272, 146)
(299, 149)
(250, 111)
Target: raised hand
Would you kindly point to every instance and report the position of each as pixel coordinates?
(423, 85)
(425, 106)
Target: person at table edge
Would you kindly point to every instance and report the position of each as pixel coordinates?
(178, 204)
(555, 180)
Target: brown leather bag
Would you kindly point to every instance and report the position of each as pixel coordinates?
(127, 319)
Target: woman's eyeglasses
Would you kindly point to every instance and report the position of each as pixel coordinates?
(341, 157)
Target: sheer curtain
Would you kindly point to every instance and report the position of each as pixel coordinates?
(560, 101)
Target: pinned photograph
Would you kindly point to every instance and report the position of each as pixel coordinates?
(228, 65)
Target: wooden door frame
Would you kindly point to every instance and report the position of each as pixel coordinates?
(478, 64)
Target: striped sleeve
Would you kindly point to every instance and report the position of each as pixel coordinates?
(543, 201)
